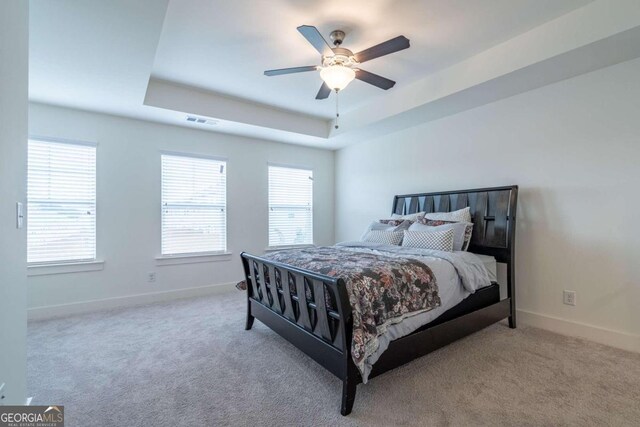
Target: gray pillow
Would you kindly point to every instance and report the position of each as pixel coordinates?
(459, 229)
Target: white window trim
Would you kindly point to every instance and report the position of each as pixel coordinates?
(68, 266)
(194, 155)
(65, 141)
(64, 267)
(195, 258)
(313, 194)
(292, 166)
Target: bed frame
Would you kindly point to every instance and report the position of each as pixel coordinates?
(325, 334)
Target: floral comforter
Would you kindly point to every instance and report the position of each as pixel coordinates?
(383, 290)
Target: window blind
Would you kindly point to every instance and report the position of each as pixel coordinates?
(290, 206)
(61, 202)
(194, 205)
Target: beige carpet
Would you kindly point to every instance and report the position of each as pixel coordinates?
(190, 363)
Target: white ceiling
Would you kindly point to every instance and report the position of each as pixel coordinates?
(161, 59)
(93, 54)
(224, 46)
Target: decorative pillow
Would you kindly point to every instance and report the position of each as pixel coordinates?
(437, 240)
(409, 217)
(399, 224)
(387, 226)
(467, 231)
(461, 215)
(393, 222)
(386, 237)
(459, 231)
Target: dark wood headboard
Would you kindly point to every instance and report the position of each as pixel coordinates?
(493, 212)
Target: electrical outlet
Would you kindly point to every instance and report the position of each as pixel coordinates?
(569, 297)
(151, 277)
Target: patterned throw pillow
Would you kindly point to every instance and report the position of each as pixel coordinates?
(409, 217)
(394, 222)
(400, 224)
(467, 231)
(436, 240)
(459, 231)
(387, 237)
(461, 215)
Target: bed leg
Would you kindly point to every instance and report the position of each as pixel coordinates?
(250, 318)
(348, 395)
(511, 288)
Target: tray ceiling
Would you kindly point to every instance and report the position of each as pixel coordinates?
(162, 60)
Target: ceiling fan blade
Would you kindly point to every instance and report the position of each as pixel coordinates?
(374, 79)
(314, 37)
(385, 48)
(290, 70)
(324, 91)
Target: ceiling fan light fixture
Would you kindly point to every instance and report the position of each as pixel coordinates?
(340, 65)
(337, 77)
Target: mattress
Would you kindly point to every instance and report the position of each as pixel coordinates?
(491, 265)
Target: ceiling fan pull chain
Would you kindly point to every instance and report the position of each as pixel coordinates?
(337, 109)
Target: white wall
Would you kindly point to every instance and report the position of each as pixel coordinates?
(574, 149)
(128, 204)
(14, 71)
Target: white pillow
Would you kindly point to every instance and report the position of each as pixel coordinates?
(461, 215)
(387, 237)
(459, 231)
(409, 217)
(437, 240)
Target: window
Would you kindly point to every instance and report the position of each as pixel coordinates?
(290, 206)
(194, 205)
(61, 202)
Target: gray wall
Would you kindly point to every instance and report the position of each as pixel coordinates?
(574, 149)
(128, 204)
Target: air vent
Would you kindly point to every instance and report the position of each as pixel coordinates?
(201, 120)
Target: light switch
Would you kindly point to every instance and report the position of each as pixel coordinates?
(19, 215)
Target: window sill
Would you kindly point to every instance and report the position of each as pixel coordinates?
(193, 258)
(64, 268)
(279, 248)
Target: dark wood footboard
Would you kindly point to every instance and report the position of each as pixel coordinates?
(309, 310)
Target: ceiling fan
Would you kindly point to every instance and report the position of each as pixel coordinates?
(339, 65)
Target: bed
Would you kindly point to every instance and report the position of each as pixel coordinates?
(312, 310)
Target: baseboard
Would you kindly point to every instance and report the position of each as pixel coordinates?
(597, 334)
(51, 311)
